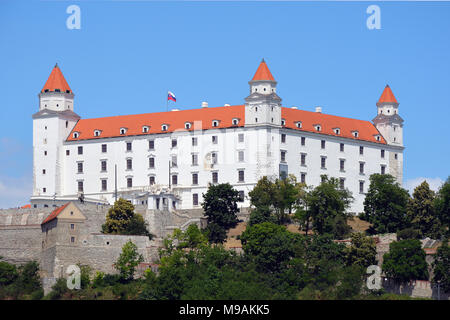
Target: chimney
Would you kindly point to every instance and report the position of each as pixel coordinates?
(204, 104)
(226, 105)
(319, 109)
(175, 109)
(294, 108)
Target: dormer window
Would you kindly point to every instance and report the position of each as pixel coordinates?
(97, 133)
(145, 129)
(337, 130)
(215, 123)
(298, 124)
(57, 90)
(46, 90)
(76, 135)
(67, 91)
(235, 121)
(283, 122)
(164, 127)
(123, 130)
(377, 137)
(188, 125)
(318, 127)
(355, 134)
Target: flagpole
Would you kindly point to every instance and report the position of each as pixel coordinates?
(167, 100)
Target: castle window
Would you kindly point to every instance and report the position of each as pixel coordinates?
(303, 140)
(323, 162)
(44, 190)
(97, 133)
(174, 179)
(303, 159)
(195, 178)
(361, 167)
(151, 162)
(298, 124)
(241, 156)
(382, 154)
(194, 159)
(72, 239)
(129, 146)
(123, 130)
(103, 165)
(215, 177)
(104, 148)
(104, 184)
(46, 90)
(318, 127)
(396, 156)
(283, 156)
(145, 129)
(75, 135)
(256, 109)
(214, 157)
(264, 89)
(195, 199)
(164, 127)
(129, 164)
(80, 167)
(45, 140)
(57, 90)
(322, 144)
(383, 169)
(194, 141)
(337, 131)
(235, 121)
(151, 144)
(67, 124)
(67, 152)
(303, 177)
(283, 138)
(174, 143)
(361, 150)
(174, 161)
(361, 187)
(187, 125)
(256, 119)
(214, 139)
(45, 153)
(67, 91)
(80, 186)
(152, 180)
(129, 182)
(355, 134)
(283, 122)
(241, 196)
(80, 150)
(241, 137)
(72, 226)
(341, 147)
(43, 171)
(215, 123)
(341, 183)
(241, 176)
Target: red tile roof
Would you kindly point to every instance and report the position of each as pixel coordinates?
(387, 96)
(56, 80)
(110, 126)
(263, 72)
(27, 206)
(55, 213)
(347, 126)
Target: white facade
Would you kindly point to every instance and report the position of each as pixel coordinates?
(255, 149)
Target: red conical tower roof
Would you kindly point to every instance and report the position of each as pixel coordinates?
(263, 73)
(387, 96)
(56, 81)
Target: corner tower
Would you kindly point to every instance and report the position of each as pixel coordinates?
(51, 126)
(388, 120)
(263, 105)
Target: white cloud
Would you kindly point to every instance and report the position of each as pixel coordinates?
(15, 192)
(435, 183)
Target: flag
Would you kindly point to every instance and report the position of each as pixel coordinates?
(171, 96)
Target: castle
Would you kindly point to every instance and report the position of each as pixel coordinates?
(166, 160)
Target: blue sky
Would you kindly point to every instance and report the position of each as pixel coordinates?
(127, 54)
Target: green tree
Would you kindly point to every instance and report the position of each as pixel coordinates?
(220, 207)
(261, 201)
(362, 251)
(327, 204)
(270, 245)
(441, 267)
(128, 260)
(442, 205)
(8, 273)
(29, 280)
(421, 212)
(385, 204)
(405, 261)
(121, 219)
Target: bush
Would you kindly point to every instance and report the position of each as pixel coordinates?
(408, 233)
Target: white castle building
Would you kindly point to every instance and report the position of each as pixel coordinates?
(166, 160)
